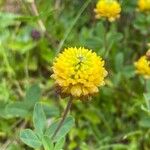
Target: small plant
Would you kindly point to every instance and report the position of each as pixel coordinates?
(42, 134)
(78, 73)
(43, 73)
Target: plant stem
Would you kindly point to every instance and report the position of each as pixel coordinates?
(72, 25)
(105, 40)
(36, 13)
(41, 24)
(26, 68)
(63, 117)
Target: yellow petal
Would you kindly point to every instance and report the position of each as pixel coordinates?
(76, 90)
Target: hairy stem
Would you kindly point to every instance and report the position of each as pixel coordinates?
(63, 117)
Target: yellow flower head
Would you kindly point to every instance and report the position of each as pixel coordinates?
(143, 66)
(109, 9)
(78, 72)
(144, 5)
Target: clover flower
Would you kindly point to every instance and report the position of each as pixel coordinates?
(144, 5)
(143, 66)
(109, 9)
(78, 72)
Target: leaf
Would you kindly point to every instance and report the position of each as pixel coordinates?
(113, 38)
(50, 111)
(84, 146)
(148, 86)
(17, 109)
(145, 122)
(29, 137)
(3, 112)
(65, 128)
(35, 18)
(59, 145)
(21, 46)
(27, 47)
(100, 30)
(39, 119)
(147, 100)
(119, 62)
(21, 109)
(92, 116)
(129, 71)
(33, 95)
(14, 146)
(47, 143)
(7, 19)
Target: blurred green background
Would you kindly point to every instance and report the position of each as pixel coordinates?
(115, 119)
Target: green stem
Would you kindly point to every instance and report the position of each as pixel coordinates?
(105, 40)
(72, 25)
(63, 117)
(41, 24)
(36, 13)
(26, 68)
(9, 69)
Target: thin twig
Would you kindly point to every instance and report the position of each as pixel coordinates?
(72, 25)
(6, 144)
(57, 4)
(41, 24)
(63, 117)
(36, 13)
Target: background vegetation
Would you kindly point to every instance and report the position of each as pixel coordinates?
(117, 118)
